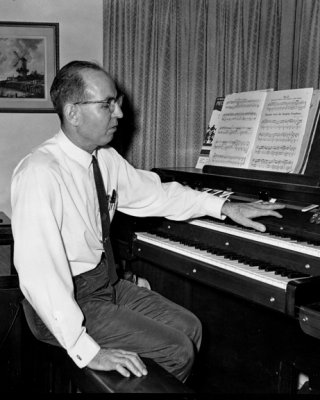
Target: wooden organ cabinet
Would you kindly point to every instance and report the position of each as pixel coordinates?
(256, 294)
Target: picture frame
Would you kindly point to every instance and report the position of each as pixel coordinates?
(29, 61)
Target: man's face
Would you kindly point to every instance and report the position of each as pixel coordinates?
(97, 124)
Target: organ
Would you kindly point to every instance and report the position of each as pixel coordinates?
(257, 294)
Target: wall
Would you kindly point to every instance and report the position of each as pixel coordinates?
(80, 27)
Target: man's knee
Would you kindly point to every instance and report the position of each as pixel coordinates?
(182, 357)
(197, 332)
(193, 329)
(184, 352)
(188, 354)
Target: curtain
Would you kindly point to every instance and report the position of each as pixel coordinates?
(307, 45)
(156, 50)
(174, 57)
(247, 45)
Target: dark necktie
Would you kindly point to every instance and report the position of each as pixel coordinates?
(105, 221)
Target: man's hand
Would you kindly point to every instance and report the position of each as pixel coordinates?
(242, 213)
(118, 360)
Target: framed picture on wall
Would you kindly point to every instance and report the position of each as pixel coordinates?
(29, 60)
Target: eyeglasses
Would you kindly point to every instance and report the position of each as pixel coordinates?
(110, 104)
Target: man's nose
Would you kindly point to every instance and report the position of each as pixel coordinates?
(117, 113)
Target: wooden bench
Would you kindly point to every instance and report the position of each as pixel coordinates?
(66, 377)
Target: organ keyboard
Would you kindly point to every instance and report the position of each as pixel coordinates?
(214, 257)
(284, 241)
(218, 256)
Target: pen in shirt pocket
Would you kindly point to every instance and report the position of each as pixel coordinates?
(113, 199)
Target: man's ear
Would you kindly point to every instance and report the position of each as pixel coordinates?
(71, 113)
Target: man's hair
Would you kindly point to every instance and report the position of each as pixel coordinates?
(69, 84)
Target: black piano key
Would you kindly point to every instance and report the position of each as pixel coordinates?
(253, 262)
(227, 256)
(211, 249)
(264, 265)
(271, 267)
(233, 256)
(220, 252)
(201, 247)
(296, 274)
(281, 271)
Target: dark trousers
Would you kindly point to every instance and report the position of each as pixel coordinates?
(128, 317)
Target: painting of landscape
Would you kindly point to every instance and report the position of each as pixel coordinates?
(22, 68)
(29, 61)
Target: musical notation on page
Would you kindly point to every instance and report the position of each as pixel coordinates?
(266, 130)
(284, 118)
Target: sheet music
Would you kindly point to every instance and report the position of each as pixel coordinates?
(310, 130)
(238, 124)
(281, 131)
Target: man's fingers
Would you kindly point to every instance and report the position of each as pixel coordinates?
(125, 362)
(132, 362)
(267, 206)
(135, 367)
(119, 368)
(254, 210)
(133, 356)
(271, 213)
(125, 365)
(256, 225)
(244, 213)
(249, 223)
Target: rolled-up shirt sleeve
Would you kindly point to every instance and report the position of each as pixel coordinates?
(41, 261)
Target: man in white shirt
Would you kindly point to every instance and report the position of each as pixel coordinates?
(59, 254)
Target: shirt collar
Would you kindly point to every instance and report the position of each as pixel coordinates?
(73, 151)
